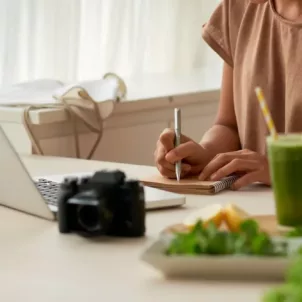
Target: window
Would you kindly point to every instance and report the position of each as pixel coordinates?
(80, 40)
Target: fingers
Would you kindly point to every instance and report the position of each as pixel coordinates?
(241, 163)
(215, 164)
(164, 144)
(169, 173)
(235, 166)
(166, 139)
(167, 169)
(252, 166)
(160, 159)
(246, 180)
(182, 151)
(195, 170)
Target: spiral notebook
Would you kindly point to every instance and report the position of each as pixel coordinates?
(189, 185)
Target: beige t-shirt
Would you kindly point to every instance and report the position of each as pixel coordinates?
(264, 50)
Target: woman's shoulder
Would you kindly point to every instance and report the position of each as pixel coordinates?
(221, 30)
(238, 3)
(234, 9)
(231, 11)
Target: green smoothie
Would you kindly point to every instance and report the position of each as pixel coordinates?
(285, 159)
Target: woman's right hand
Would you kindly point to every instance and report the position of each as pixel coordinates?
(193, 155)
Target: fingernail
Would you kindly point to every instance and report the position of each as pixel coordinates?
(201, 177)
(213, 177)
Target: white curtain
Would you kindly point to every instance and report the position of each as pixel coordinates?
(71, 40)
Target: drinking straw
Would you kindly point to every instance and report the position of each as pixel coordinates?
(267, 116)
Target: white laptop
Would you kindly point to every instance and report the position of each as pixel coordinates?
(39, 196)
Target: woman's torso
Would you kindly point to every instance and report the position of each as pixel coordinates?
(268, 54)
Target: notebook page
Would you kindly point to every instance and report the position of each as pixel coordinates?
(193, 183)
(189, 185)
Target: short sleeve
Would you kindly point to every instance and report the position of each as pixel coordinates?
(221, 31)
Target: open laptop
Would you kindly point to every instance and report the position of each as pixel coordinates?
(18, 190)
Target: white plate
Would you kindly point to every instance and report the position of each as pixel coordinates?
(217, 267)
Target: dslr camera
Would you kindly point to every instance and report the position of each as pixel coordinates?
(103, 204)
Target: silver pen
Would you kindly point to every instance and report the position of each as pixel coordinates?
(177, 126)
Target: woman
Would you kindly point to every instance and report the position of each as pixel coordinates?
(260, 42)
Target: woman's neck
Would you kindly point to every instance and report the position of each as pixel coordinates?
(289, 9)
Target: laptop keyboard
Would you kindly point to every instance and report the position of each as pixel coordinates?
(49, 190)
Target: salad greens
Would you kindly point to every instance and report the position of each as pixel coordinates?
(292, 289)
(250, 240)
(286, 292)
(297, 232)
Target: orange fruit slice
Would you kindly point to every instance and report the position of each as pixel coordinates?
(234, 216)
(207, 214)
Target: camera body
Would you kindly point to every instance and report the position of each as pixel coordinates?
(103, 204)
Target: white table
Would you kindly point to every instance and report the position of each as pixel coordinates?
(39, 264)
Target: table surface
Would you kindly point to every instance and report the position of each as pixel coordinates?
(39, 264)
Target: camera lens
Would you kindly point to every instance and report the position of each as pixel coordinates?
(89, 218)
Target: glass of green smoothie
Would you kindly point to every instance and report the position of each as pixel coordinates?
(285, 160)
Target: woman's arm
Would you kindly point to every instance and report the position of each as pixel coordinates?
(223, 135)
(223, 139)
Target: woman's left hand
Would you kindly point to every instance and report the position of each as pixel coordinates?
(252, 167)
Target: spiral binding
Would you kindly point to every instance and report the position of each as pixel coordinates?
(224, 183)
